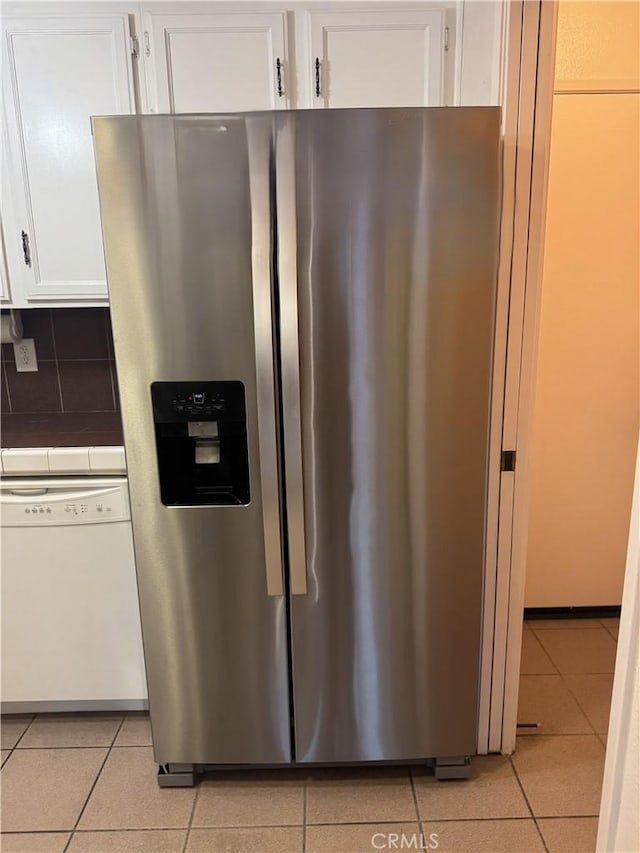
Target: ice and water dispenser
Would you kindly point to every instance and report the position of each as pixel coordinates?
(201, 443)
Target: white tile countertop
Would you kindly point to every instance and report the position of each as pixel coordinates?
(22, 461)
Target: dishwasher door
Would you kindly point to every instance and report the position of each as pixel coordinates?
(71, 637)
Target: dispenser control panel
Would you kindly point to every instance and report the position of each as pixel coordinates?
(199, 403)
(179, 402)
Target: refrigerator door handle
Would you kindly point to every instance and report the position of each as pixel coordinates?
(290, 368)
(260, 144)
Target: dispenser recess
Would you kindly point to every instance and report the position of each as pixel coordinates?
(201, 443)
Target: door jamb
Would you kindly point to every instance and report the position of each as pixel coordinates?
(526, 97)
(525, 362)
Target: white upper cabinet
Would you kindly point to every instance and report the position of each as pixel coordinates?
(56, 73)
(382, 58)
(4, 279)
(64, 62)
(203, 61)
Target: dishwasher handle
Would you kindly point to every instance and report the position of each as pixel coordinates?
(28, 492)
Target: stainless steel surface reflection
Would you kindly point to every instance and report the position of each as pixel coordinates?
(342, 265)
(397, 224)
(177, 197)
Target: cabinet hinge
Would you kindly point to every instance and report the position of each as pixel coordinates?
(134, 47)
(147, 44)
(446, 38)
(508, 462)
(26, 248)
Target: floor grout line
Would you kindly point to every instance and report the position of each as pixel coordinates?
(304, 814)
(577, 700)
(27, 727)
(537, 819)
(569, 628)
(559, 734)
(95, 782)
(595, 733)
(526, 799)
(311, 825)
(546, 654)
(415, 796)
(415, 803)
(88, 746)
(190, 824)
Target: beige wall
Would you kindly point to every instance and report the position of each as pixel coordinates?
(586, 408)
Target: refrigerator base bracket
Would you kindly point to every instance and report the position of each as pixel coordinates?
(452, 767)
(177, 775)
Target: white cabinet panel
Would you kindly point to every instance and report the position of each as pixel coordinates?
(5, 294)
(215, 62)
(57, 72)
(381, 58)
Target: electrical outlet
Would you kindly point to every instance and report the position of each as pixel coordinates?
(25, 350)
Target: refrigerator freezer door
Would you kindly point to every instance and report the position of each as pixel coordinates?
(388, 235)
(188, 235)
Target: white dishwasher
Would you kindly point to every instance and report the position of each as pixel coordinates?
(71, 637)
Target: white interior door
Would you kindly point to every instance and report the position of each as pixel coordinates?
(215, 62)
(377, 58)
(57, 72)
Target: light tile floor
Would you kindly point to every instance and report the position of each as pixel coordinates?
(86, 783)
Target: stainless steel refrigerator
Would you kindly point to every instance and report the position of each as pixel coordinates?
(303, 312)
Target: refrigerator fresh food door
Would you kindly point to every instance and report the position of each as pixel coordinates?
(189, 243)
(388, 245)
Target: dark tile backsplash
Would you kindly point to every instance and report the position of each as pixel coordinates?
(34, 392)
(76, 371)
(81, 334)
(86, 386)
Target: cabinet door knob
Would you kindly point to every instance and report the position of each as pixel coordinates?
(318, 92)
(279, 77)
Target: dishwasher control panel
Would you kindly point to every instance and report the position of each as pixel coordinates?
(46, 504)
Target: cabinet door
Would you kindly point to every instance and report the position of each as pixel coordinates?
(215, 62)
(57, 72)
(377, 58)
